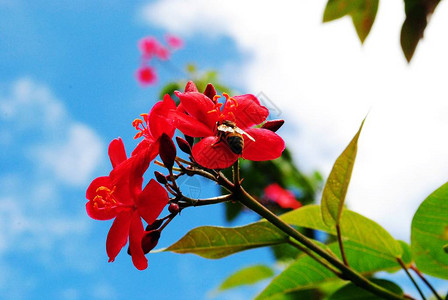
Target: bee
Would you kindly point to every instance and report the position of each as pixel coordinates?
(229, 132)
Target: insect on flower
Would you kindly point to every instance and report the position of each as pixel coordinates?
(233, 135)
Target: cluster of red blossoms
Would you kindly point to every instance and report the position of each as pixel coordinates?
(227, 131)
(150, 49)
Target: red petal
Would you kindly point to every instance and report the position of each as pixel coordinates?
(268, 145)
(212, 153)
(248, 113)
(90, 195)
(100, 214)
(135, 242)
(200, 107)
(117, 153)
(192, 127)
(282, 197)
(118, 234)
(95, 184)
(151, 201)
(190, 87)
(160, 119)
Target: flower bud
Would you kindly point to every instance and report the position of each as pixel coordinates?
(173, 208)
(189, 139)
(154, 225)
(167, 151)
(273, 125)
(190, 87)
(183, 145)
(160, 177)
(150, 240)
(210, 91)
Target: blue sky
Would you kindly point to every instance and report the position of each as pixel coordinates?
(67, 88)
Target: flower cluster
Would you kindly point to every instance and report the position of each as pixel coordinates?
(225, 132)
(151, 49)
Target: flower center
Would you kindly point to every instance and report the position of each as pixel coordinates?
(140, 126)
(105, 199)
(230, 105)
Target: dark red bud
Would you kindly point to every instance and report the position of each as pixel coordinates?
(160, 177)
(154, 225)
(167, 151)
(189, 139)
(150, 240)
(183, 145)
(210, 91)
(273, 125)
(190, 87)
(173, 208)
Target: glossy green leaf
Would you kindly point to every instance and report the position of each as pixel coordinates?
(362, 12)
(417, 16)
(335, 189)
(429, 234)
(305, 273)
(353, 292)
(355, 227)
(217, 242)
(246, 276)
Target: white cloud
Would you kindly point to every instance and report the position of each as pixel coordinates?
(325, 83)
(57, 144)
(47, 160)
(75, 159)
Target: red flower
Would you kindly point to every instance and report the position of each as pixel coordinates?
(174, 42)
(201, 116)
(120, 196)
(284, 198)
(146, 75)
(150, 47)
(153, 125)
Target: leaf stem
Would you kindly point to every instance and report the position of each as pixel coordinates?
(341, 245)
(201, 202)
(299, 246)
(419, 274)
(403, 266)
(352, 275)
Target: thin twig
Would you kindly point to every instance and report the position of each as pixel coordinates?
(299, 246)
(419, 274)
(200, 202)
(403, 266)
(341, 245)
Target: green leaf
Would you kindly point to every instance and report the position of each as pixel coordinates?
(305, 273)
(355, 227)
(429, 234)
(216, 242)
(362, 12)
(335, 189)
(169, 89)
(246, 276)
(353, 292)
(364, 17)
(417, 15)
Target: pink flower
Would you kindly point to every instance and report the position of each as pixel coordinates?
(146, 75)
(201, 116)
(284, 198)
(150, 47)
(174, 42)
